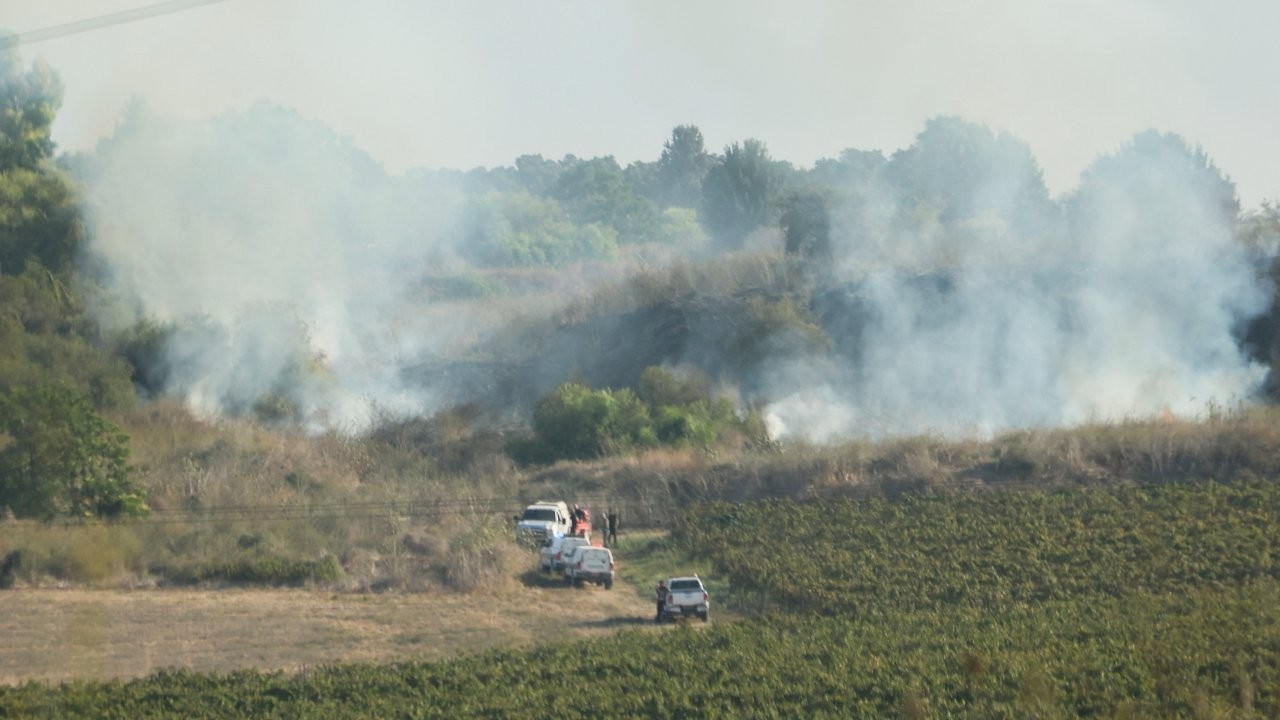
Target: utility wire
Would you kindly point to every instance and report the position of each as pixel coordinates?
(102, 21)
(374, 510)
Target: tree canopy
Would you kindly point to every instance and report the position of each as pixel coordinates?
(62, 457)
(740, 192)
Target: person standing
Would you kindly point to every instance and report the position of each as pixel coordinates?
(611, 528)
(662, 600)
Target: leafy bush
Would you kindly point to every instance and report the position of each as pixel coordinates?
(63, 458)
(262, 569)
(519, 229)
(576, 422)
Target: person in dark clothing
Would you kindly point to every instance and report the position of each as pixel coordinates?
(662, 600)
(611, 528)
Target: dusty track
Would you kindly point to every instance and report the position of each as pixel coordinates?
(57, 635)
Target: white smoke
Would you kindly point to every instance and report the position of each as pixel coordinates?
(293, 266)
(289, 261)
(1121, 304)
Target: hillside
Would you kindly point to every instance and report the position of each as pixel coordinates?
(1131, 602)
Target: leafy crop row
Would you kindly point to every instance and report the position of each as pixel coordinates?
(992, 550)
(1120, 602)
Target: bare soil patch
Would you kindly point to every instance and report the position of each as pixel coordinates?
(59, 635)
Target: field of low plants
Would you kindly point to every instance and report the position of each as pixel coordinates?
(1114, 602)
(992, 550)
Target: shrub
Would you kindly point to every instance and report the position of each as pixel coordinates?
(62, 457)
(576, 422)
(262, 569)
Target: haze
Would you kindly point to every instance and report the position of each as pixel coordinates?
(462, 85)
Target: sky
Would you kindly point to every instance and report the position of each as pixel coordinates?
(442, 84)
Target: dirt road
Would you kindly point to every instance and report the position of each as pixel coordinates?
(56, 635)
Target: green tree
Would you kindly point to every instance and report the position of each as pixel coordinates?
(62, 458)
(39, 220)
(47, 337)
(1154, 188)
(740, 193)
(539, 175)
(39, 216)
(594, 191)
(681, 168)
(806, 227)
(29, 101)
(576, 422)
(519, 229)
(853, 171)
(967, 171)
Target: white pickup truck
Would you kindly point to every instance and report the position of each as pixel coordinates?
(542, 521)
(686, 597)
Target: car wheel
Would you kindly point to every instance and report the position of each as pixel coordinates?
(608, 584)
(702, 617)
(568, 580)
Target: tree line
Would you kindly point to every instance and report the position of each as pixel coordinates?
(61, 375)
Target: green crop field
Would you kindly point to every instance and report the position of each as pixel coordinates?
(1120, 602)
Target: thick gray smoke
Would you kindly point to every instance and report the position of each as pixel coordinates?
(290, 264)
(960, 298)
(981, 306)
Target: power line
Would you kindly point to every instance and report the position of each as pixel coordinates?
(102, 21)
(366, 510)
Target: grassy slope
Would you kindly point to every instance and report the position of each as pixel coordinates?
(1100, 625)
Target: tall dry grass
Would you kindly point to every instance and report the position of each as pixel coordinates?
(1223, 446)
(344, 497)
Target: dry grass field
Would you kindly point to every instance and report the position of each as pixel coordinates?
(65, 634)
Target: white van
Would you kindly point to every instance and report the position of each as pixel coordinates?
(590, 564)
(554, 551)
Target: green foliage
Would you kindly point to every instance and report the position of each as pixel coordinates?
(681, 168)
(991, 551)
(850, 173)
(39, 219)
(774, 329)
(46, 337)
(1162, 183)
(63, 458)
(1259, 231)
(740, 193)
(968, 172)
(469, 285)
(261, 568)
(143, 345)
(576, 422)
(679, 227)
(806, 228)
(29, 100)
(595, 193)
(683, 411)
(518, 229)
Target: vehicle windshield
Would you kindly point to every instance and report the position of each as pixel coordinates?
(539, 514)
(678, 585)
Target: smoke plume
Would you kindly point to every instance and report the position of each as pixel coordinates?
(982, 306)
(288, 263)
